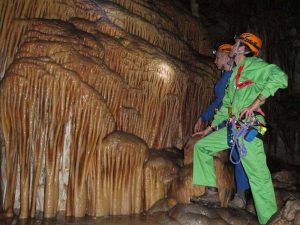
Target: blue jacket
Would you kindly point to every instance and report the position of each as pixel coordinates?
(219, 91)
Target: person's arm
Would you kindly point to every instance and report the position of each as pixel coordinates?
(219, 91)
(276, 79)
(208, 114)
(198, 126)
(222, 113)
(210, 110)
(205, 132)
(247, 112)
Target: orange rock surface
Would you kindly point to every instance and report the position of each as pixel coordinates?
(76, 72)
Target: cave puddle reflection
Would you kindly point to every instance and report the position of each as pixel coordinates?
(62, 220)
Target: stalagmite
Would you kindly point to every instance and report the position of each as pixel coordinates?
(182, 188)
(158, 173)
(116, 184)
(189, 150)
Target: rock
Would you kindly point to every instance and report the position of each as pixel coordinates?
(287, 215)
(297, 218)
(196, 209)
(162, 205)
(279, 201)
(182, 188)
(290, 209)
(159, 172)
(250, 207)
(189, 150)
(277, 219)
(173, 154)
(7, 215)
(164, 219)
(288, 195)
(285, 179)
(237, 216)
(198, 214)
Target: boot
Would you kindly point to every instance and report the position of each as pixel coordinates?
(211, 196)
(239, 201)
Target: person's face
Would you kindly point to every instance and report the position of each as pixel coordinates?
(221, 60)
(236, 49)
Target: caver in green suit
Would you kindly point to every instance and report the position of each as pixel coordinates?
(266, 79)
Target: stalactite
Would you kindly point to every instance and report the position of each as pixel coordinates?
(151, 14)
(54, 112)
(197, 38)
(148, 31)
(196, 87)
(10, 155)
(11, 15)
(78, 201)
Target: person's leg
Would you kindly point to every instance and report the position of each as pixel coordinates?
(204, 149)
(260, 180)
(241, 181)
(203, 166)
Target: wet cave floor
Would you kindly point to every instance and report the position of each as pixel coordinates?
(62, 220)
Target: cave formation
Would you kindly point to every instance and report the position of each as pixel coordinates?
(98, 100)
(89, 88)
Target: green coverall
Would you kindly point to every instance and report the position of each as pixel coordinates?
(267, 79)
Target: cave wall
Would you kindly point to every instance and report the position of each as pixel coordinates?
(88, 87)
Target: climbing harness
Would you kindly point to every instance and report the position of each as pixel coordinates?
(237, 130)
(233, 135)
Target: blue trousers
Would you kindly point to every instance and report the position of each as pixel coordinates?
(241, 179)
